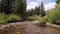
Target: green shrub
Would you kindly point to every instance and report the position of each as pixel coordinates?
(53, 16)
(30, 18)
(4, 18)
(42, 19)
(13, 17)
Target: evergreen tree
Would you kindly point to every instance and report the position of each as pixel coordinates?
(58, 1)
(23, 10)
(0, 6)
(17, 7)
(35, 11)
(31, 12)
(42, 12)
(6, 6)
(38, 11)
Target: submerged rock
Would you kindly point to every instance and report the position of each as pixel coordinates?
(43, 24)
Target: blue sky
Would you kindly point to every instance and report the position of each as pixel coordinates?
(48, 4)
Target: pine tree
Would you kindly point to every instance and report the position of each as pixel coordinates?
(42, 12)
(6, 6)
(58, 1)
(23, 10)
(17, 7)
(0, 6)
(38, 11)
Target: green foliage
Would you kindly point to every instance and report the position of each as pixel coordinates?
(17, 7)
(57, 1)
(4, 18)
(42, 19)
(30, 18)
(33, 12)
(13, 17)
(6, 6)
(23, 10)
(37, 10)
(42, 12)
(52, 16)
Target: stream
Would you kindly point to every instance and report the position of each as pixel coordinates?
(28, 28)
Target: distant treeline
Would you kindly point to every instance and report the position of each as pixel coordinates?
(37, 11)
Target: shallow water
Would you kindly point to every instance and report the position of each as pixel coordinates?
(33, 29)
(29, 28)
(50, 30)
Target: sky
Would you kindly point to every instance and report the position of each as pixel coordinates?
(48, 4)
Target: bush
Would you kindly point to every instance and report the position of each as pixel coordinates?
(30, 18)
(4, 18)
(53, 16)
(13, 17)
(42, 19)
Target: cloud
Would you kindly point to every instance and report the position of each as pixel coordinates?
(32, 5)
(49, 5)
